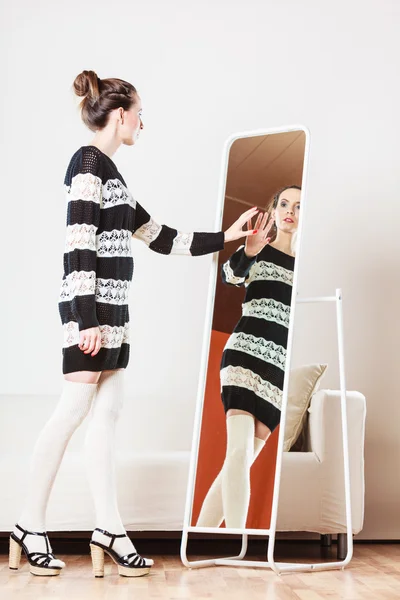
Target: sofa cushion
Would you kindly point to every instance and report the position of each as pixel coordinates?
(304, 381)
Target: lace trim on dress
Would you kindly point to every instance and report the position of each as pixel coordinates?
(182, 243)
(85, 186)
(111, 337)
(229, 275)
(112, 291)
(109, 291)
(266, 271)
(115, 193)
(245, 378)
(77, 283)
(148, 232)
(114, 243)
(258, 347)
(80, 237)
(268, 309)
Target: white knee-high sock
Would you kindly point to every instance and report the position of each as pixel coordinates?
(100, 460)
(236, 470)
(100, 450)
(212, 512)
(49, 449)
(72, 408)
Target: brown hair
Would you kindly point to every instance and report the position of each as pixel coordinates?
(274, 203)
(101, 96)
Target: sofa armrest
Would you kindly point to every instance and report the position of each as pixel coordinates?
(325, 424)
(325, 440)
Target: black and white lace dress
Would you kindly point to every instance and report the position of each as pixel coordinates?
(102, 217)
(253, 361)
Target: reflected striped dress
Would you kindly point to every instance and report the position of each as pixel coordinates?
(102, 218)
(253, 361)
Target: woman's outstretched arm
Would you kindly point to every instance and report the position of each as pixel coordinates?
(167, 240)
(236, 269)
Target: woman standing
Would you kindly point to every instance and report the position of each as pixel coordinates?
(102, 216)
(253, 361)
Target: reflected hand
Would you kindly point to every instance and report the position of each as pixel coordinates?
(255, 243)
(235, 232)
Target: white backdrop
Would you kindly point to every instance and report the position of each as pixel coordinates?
(204, 71)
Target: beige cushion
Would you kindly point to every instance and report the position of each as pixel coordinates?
(303, 383)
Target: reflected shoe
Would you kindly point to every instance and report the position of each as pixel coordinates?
(40, 563)
(129, 565)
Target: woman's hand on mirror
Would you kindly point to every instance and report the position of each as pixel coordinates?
(256, 242)
(235, 232)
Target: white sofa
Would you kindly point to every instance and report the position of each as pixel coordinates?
(311, 496)
(152, 487)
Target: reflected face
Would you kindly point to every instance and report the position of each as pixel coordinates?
(133, 123)
(287, 211)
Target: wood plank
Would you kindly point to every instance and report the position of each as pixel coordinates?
(373, 574)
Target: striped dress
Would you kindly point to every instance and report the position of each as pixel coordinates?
(102, 217)
(253, 361)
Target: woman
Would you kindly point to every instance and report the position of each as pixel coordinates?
(253, 361)
(102, 216)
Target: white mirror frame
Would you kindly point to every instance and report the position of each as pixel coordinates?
(187, 527)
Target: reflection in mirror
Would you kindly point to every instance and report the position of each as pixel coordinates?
(248, 343)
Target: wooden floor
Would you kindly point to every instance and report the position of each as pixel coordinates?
(373, 574)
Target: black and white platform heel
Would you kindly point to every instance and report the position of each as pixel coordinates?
(40, 563)
(130, 565)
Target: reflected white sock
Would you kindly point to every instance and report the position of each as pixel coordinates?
(212, 512)
(236, 470)
(72, 408)
(100, 459)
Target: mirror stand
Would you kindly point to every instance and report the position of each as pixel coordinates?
(280, 567)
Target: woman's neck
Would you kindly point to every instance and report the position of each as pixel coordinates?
(283, 242)
(107, 143)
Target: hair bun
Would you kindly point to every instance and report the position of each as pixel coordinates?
(100, 96)
(87, 84)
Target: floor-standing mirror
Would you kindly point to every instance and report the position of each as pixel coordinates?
(257, 412)
(244, 372)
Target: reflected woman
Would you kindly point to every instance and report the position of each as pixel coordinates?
(253, 361)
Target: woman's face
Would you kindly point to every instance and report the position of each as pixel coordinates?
(133, 124)
(286, 213)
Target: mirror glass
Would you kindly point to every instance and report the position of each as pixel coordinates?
(243, 391)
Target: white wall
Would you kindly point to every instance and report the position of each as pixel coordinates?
(205, 70)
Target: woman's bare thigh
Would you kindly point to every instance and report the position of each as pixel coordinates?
(83, 376)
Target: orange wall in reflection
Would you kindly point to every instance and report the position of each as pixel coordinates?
(213, 446)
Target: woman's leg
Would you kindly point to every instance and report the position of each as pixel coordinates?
(236, 469)
(100, 459)
(242, 432)
(212, 512)
(262, 432)
(74, 404)
(100, 450)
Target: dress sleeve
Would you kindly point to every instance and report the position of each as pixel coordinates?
(84, 193)
(236, 269)
(165, 240)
